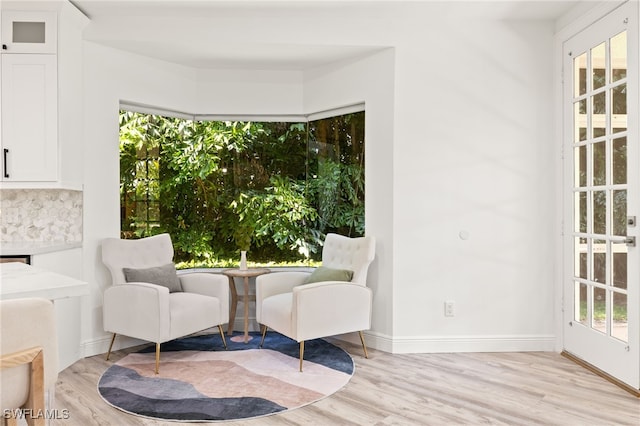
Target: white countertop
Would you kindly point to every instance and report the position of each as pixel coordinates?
(22, 248)
(18, 280)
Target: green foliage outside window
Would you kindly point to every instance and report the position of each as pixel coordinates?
(274, 189)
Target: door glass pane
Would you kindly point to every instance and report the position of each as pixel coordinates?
(619, 265)
(598, 66)
(581, 169)
(581, 212)
(619, 154)
(581, 258)
(619, 108)
(580, 120)
(598, 117)
(599, 212)
(599, 310)
(599, 261)
(599, 163)
(619, 219)
(619, 57)
(581, 303)
(580, 75)
(620, 326)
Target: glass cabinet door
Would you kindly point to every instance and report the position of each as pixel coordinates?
(29, 32)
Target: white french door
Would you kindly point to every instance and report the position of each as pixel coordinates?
(601, 302)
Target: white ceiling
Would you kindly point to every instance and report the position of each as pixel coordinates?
(149, 27)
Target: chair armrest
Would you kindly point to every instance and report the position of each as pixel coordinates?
(208, 284)
(276, 283)
(329, 308)
(137, 309)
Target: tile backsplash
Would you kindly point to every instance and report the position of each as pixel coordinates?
(52, 215)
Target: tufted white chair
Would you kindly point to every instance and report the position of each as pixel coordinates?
(29, 360)
(150, 312)
(302, 311)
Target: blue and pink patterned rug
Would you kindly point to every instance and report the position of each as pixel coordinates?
(201, 381)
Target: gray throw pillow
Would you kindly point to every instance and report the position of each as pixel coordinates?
(165, 276)
(323, 273)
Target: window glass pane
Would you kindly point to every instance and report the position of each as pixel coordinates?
(274, 187)
(599, 224)
(619, 219)
(580, 120)
(619, 56)
(599, 163)
(619, 167)
(620, 326)
(336, 165)
(598, 117)
(580, 73)
(581, 162)
(619, 262)
(599, 310)
(598, 66)
(619, 108)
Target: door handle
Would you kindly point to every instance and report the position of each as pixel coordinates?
(6, 173)
(630, 241)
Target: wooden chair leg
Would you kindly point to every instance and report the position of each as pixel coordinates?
(366, 355)
(9, 420)
(36, 392)
(157, 358)
(224, 341)
(264, 333)
(113, 338)
(301, 354)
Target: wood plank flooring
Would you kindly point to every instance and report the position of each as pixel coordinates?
(531, 388)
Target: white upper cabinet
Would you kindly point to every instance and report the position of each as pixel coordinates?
(29, 118)
(29, 96)
(29, 32)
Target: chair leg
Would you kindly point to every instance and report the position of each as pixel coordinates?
(224, 341)
(264, 333)
(157, 358)
(366, 355)
(9, 420)
(111, 345)
(301, 354)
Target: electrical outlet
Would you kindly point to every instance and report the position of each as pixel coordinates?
(449, 310)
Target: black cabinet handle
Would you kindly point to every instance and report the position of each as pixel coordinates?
(6, 174)
(4, 47)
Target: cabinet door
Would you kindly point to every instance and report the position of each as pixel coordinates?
(29, 118)
(29, 32)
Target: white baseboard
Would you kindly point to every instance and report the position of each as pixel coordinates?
(385, 343)
(101, 345)
(449, 344)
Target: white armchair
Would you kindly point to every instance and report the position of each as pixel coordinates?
(286, 304)
(150, 311)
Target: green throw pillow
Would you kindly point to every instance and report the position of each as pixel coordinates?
(323, 273)
(165, 276)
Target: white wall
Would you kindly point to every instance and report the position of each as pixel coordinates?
(459, 138)
(473, 154)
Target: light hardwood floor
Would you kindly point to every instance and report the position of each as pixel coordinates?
(531, 388)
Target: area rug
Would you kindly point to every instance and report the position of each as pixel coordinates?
(201, 381)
